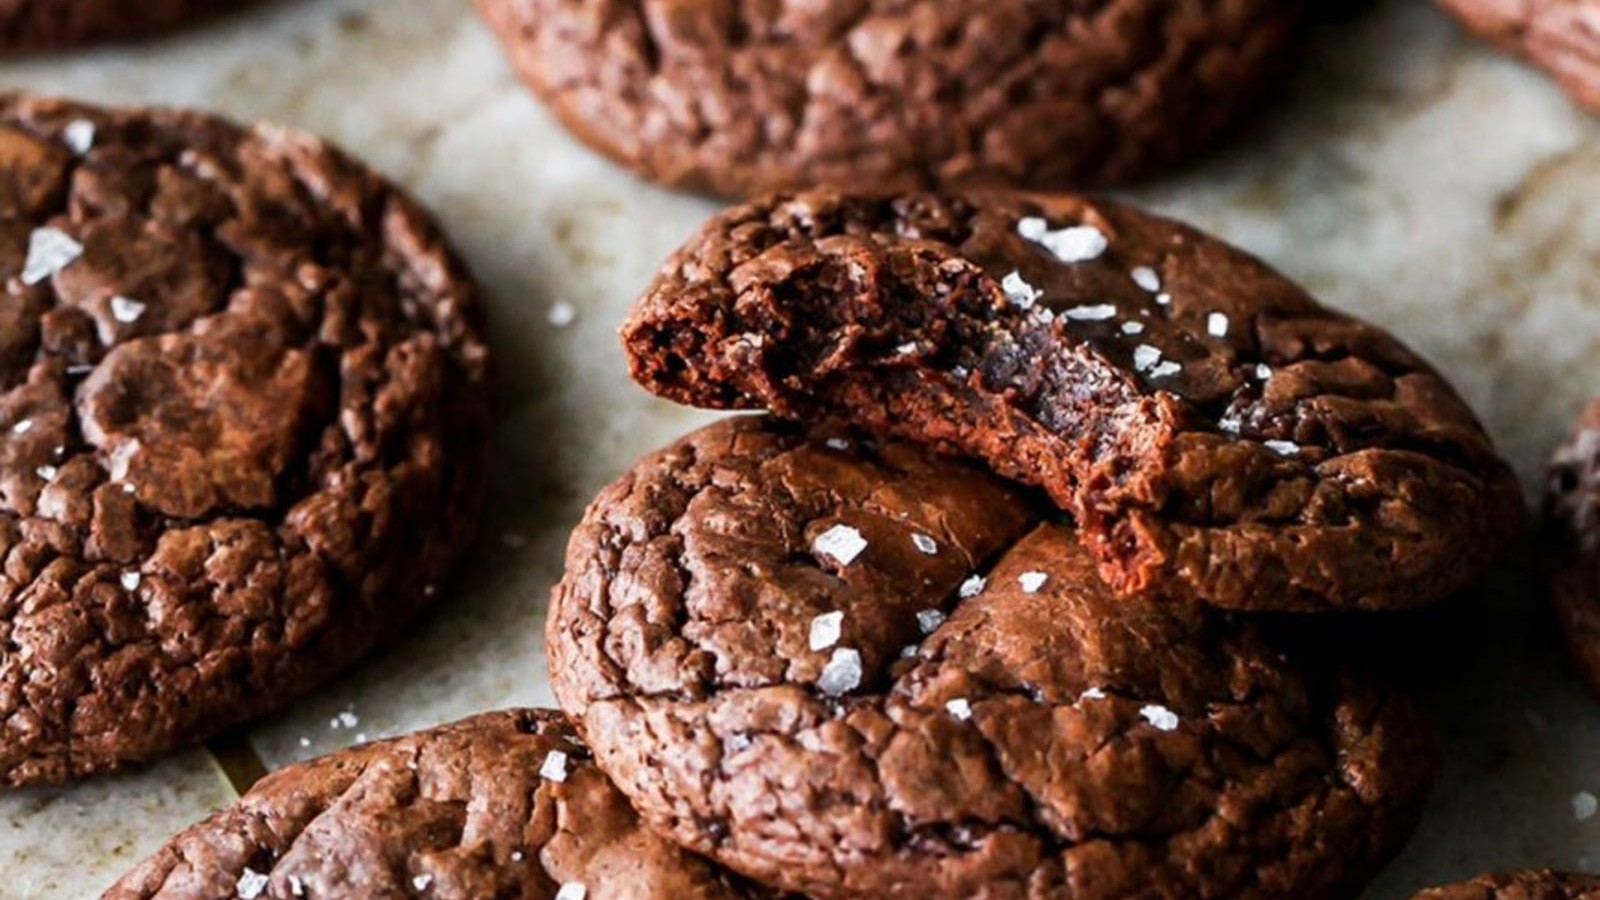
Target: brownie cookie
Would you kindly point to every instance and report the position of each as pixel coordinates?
(855, 669)
(1541, 885)
(506, 804)
(1569, 545)
(40, 24)
(243, 425)
(1216, 433)
(1560, 36)
(743, 96)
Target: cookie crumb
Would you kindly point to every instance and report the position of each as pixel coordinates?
(929, 620)
(1147, 278)
(1217, 324)
(841, 542)
(826, 630)
(78, 136)
(1159, 717)
(842, 674)
(1584, 806)
(972, 587)
(554, 767)
(925, 544)
(1032, 581)
(1074, 244)
(562, 314)
(251, 884)
(572, 890)
(1019, 291)
(960, 709)
(49, 251)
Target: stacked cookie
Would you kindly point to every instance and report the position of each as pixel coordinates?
(833, 650)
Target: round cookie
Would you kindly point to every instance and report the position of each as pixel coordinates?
(1215, 432)
(41, 24)
(243, 425)
(1527, 885)
(1569, 545)
(853, 669)
(506, 804)
(739, 97)
(1560, 36)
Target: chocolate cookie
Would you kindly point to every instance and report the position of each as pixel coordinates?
(1216, 433)
(1541, 885)
(855, 669)
(39, 24)
(242, 430)
(1569, 545)
(743, 96)
(1560, 36)
(506, 804)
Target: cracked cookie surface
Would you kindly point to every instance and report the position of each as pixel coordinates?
(505, 804)
(1216, 433)
(1560, 36)
(243, 422)
(1527, 885)
(40, 24)
(851, 668)
(743, 96)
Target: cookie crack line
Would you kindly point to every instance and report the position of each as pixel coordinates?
(746, 685)
(1216, 433)
(238, 368)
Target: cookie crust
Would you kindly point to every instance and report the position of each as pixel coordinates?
(243, 425)
(738, 97)
(1217, 434)
(46, 24)
(458, 812)
(1526, 885)
(853, 669)
(1560, 36)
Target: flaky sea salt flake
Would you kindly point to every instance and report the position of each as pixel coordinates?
(1032, 581)
(826, 630)
(842, 674)
(841, 542)
(1159, 717)
(562, 314)
(49, 251)
(79, 136)
(925, 544)
(573, 890)
(251, 884)
(1098, 312)
(1146, 278)
(1217, 324)
(1145, 357)
(554, 767)
(972, 587)
(1074, 244)
(126, 309)
(1019, 291)
(929, 620)
(1282, 448)
(960, 708)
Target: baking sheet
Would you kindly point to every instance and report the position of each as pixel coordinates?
(1410, 176)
